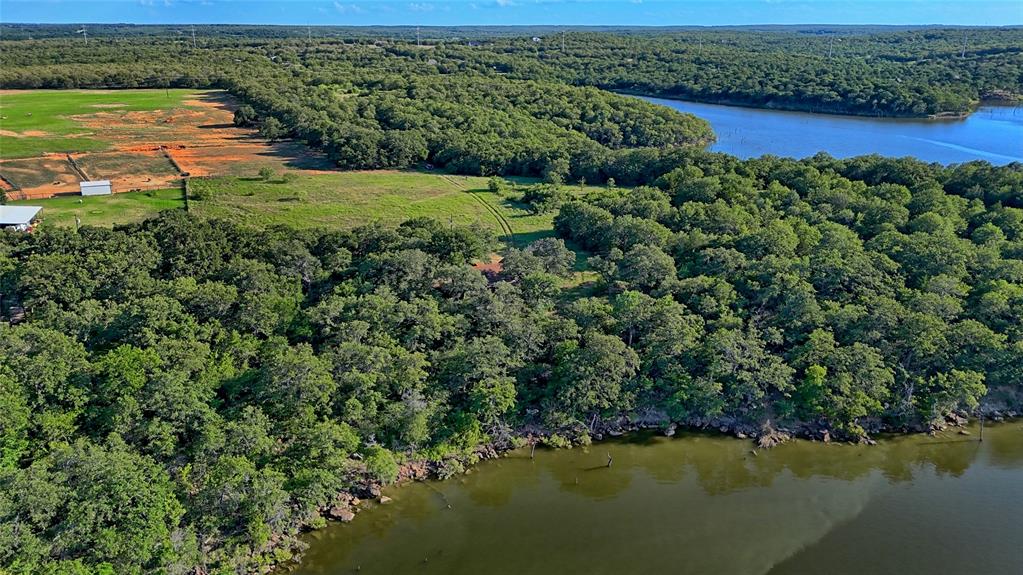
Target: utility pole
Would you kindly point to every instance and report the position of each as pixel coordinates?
(193, 36)
(966, 37)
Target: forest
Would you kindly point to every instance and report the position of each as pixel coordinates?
(911, 73)
(874, 71)
(186, 396)
(370, 107)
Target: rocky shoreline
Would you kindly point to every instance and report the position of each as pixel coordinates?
(347, 504)
(764, 436)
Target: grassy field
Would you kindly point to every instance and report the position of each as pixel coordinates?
(38, 121)
(348, 199)
(106, 210)
(327, 201)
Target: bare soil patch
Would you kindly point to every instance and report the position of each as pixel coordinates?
(130, 171)
(201, 137)
(490, 268)
(25, 134)
(41, 177)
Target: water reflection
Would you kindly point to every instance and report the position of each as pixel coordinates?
(993, 133)
(701, 504)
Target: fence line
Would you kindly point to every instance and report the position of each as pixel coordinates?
(173, 162)
(78, 169)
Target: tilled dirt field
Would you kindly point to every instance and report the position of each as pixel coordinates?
(200, 137)
(40, 177)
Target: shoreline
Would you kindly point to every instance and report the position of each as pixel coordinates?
(347, 505)
(939, 117)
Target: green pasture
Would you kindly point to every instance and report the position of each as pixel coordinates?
(348, 199)
(50, 111)
(106, 210)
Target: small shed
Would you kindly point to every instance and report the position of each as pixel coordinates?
(21, 218)
(96, 188)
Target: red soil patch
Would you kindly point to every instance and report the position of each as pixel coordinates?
(25, 134)
(40, 177)
(490, 268)
(200, 137)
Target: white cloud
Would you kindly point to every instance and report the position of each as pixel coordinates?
(348, 8)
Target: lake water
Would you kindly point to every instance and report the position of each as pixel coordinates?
(992, 133)
(700, 504)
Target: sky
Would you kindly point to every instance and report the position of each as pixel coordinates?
(516, 12)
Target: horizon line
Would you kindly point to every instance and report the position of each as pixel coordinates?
(618, 26)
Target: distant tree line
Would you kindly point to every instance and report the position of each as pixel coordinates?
(912, 73)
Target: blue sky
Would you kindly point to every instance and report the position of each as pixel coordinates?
(512, 12)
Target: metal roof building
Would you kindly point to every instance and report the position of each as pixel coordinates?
(96, 188)
(18, 217)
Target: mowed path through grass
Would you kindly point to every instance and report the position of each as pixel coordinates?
(34, 122)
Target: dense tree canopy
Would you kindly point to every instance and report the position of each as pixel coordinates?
(848, 70)
(370, 106)
(186, 393)
(904, 73)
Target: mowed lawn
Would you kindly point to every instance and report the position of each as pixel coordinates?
(106, 210)
(348, 199)
(34, 122)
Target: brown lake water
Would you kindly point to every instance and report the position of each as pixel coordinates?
(701, 504)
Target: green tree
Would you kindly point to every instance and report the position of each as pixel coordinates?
(272, 129)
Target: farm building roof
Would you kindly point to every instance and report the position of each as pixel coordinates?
(18, 215)
(95, 183)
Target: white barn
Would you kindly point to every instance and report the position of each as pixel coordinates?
(21, 218)
(96, 188)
